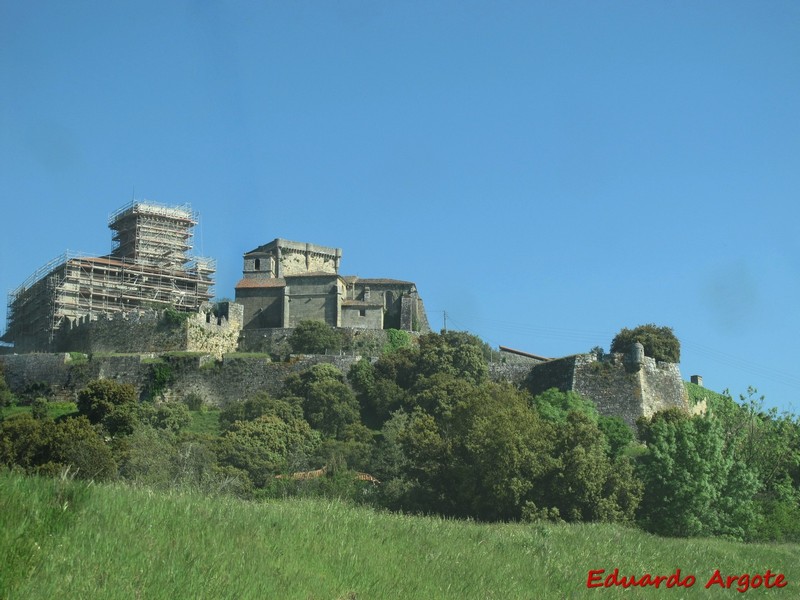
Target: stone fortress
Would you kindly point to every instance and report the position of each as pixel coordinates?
(149, 296)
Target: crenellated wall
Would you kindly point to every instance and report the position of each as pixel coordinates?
(212, 330)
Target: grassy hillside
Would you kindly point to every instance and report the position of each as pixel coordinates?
(65, 539)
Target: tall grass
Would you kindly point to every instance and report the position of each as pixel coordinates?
(67, 539)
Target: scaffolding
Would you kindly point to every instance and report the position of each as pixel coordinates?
(152, 234)
(149, 268)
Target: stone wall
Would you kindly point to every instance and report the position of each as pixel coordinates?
(355, 341)
(616, 385)
(151, 331)
(144, 331)
(215, 333)
(216, 382)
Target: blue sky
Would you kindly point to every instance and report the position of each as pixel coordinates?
(546, 172)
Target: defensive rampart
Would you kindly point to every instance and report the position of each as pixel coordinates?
(618, 384)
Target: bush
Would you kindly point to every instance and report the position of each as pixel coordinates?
(314, 337)
(659, 342)
(110, 403)
(6, 397)
(172, 317)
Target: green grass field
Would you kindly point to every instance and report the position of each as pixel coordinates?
(65, 539)
(54, 409)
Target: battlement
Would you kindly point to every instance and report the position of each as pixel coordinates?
(212, 329)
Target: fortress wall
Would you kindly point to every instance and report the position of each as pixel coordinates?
(614, 388)
(64, 377)
(620, 388)
(663, 387)
(241, 378)
(148, 332)
(217, 382)
(135, 332)
(617, 387)
(557, 373)
(366, 342)
(515, 372)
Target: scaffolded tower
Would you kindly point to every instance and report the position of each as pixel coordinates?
(149, 267)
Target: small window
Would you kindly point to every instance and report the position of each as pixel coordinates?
(258, 264)
(363, 312)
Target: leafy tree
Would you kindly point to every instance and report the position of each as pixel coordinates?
(478, 456)
(77, 444)
(585, 484)
(329, 405)
(617, 433)
(694, 482)
(767, 443)
(267, 446)
(25, 442)
(287, 408)
(44, 446)
(39, 408)
(6, 397)
(659, 343)
(109, 401)
(454, 352)
(173, 416)
(158, 457)
(554, 405)
(314, 337)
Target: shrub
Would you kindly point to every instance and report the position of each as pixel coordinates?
(172, 317)
(111, 403)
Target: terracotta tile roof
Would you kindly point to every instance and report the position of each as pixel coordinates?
(276, 282)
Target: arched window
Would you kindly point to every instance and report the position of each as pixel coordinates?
(258, 264)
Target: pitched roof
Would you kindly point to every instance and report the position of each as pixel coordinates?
(275, 282)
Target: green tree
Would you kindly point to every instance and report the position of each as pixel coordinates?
(768, 443)
(396, 339)
(109, 402)
(554, 405)
(454, 352)
(617, 433)
(314, 337)
(173, 416)
(25, 442)
(659, 343)
(329, 405)
(694, 482)
(286, 408)
(46, 447)
(267, 446)
(77, 444)
(478, 456)
(584, 483)
(6, 397)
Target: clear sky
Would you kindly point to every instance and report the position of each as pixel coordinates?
(546, 172)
